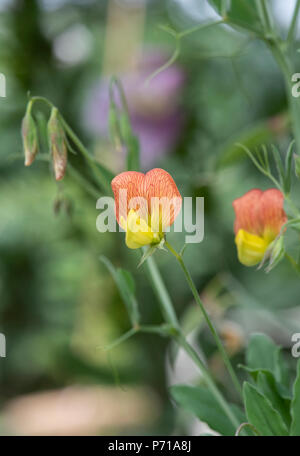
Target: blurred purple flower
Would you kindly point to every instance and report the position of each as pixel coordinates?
(154, 108)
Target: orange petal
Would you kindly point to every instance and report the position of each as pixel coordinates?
(247, 212)
(260, 213)
(158, 183)
(272, 213)
(130, 181)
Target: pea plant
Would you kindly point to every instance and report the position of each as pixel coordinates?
(267, 403)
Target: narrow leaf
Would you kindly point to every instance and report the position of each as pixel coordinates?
(262, 353)
(279, 165)
(200, 401)
(126, 287)
(147, 253)
(266, 383)
(242, 13)
(288, 167)
(261, 414)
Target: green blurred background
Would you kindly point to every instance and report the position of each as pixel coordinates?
(58, 304)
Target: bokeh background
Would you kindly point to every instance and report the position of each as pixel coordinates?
(58, 304)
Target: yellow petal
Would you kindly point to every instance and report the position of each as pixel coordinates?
(251, 248)
(138, 233)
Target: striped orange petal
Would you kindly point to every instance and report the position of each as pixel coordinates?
(132, 183)
(260, 213)
(247, 212)
(157, 183)
(272, 213)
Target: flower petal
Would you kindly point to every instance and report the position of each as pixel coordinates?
(272, 214)
(138, 233)
(130, 182)
(247, 212)
(158, 184)
(155, 196)
(260, 213)
(251, 248)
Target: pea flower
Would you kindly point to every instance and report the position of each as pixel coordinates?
(259, 218)
(146, 205)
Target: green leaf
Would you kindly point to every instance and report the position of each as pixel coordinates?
(295, 407)
(267, 385)
(262, 353)
(200, 401)
(250, 137)
(126, 287)
(273, 255)
(261, 414)
(277, 252)
(279, 165)
(206, 435)
(281, 388)
(288, 167)
(242, 13)
(147, 253)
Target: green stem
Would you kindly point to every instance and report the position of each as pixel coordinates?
(92, 162)
(292, 206)
(208, 379)
(121, 339)
(292, 29)
(266, 17)
(279, 50)
(287, 71)
(170, 316)
(294, 264)
(199, 27)
(162, 293)
(83, 181)
(207, 319)
(86, 154)
(178, 36)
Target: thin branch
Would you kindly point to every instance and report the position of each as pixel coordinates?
(292, 29)
(169, 62)
(178, 36)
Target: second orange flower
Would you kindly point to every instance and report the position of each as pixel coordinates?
(259, 219)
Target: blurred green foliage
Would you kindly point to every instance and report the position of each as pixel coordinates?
(58, 303)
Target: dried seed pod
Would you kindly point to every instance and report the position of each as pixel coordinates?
(30, 138)
(57, 144)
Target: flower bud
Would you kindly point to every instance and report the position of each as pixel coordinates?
(30, 138)
(125, 126)
(57, 144)
(114, 130)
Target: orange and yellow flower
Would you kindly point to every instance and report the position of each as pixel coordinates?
(259, 218)
(146, 204)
